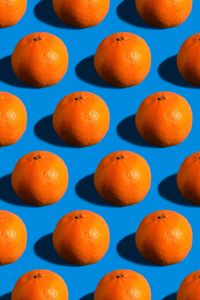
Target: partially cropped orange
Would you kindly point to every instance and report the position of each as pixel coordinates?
(40, 285)
(123, 284)
(123, 59)
(188, 59)
(164, 237)
(188, 178)
(123, 178)
(40, 59)
(164, 119)
(164, 13)
(11, 12)
(190, 287)
(81, 119)
(81, 237)
(85, 13)
(13, 119)
(13, 237)
(40, 178)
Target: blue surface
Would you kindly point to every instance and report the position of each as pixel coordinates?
(122, 103)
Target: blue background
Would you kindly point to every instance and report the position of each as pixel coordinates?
(123, 104)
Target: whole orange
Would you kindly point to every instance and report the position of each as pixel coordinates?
(188, 177)
(123, 284)
(13, 237)
(164, 119)
(123, 59)
(40, 178)
(11, 12)
(187, 59)
(40, 59)
(81, 237)
(85, 13)
(123, 178)
(81, 119)
(164, 13)
(40, 285)
(164, 237)
(190, 287)
(13, 119)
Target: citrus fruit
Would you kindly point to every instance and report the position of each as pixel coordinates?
(81, 119)
(40, 178)
(164, 237)
(11, 12)
(81, 237)
(123, 178)
(164, 119)
(123, 59)
(190, 287)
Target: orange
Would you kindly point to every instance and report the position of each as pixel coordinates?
(164, 13)
(11, 12)
(123, 284)
(123, 178)
(188, 59)
(81, 119)
(85, 13)
(40, 285)
(188, 178)
(13, 119)
(190, 287)
(40, 59)
(164, 119)
(13, 237)
(40, 178)
(123, 59)
(81, 237)
(164, 237)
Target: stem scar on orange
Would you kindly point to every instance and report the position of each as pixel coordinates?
(188, 178)
(164, 237)
(190, 287)
(40, 285)
(81, 119)
(123, 59)
(13, 237)
(11, 12)
(123, 178)
(13, 119)
(40, 59)
(81, 237)
(164, 119)
(164, 13)
(40, 178)
(123, 284)
(85, 13)
(188, 59)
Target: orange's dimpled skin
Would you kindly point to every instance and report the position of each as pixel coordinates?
(123, 284)
(190, 287)
(188, 59)
(188, 178)
(164, 119)
(81, 237)
(164, 237)
(40, 59)
(123, 178)
(81, 119)
(40, 285)
(85, 13)
(40, 178)
(123, 59)
(11, 12)
(13, 119)
(164, 13)
(13, 237)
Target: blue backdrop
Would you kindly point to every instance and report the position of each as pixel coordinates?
(123, 104)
